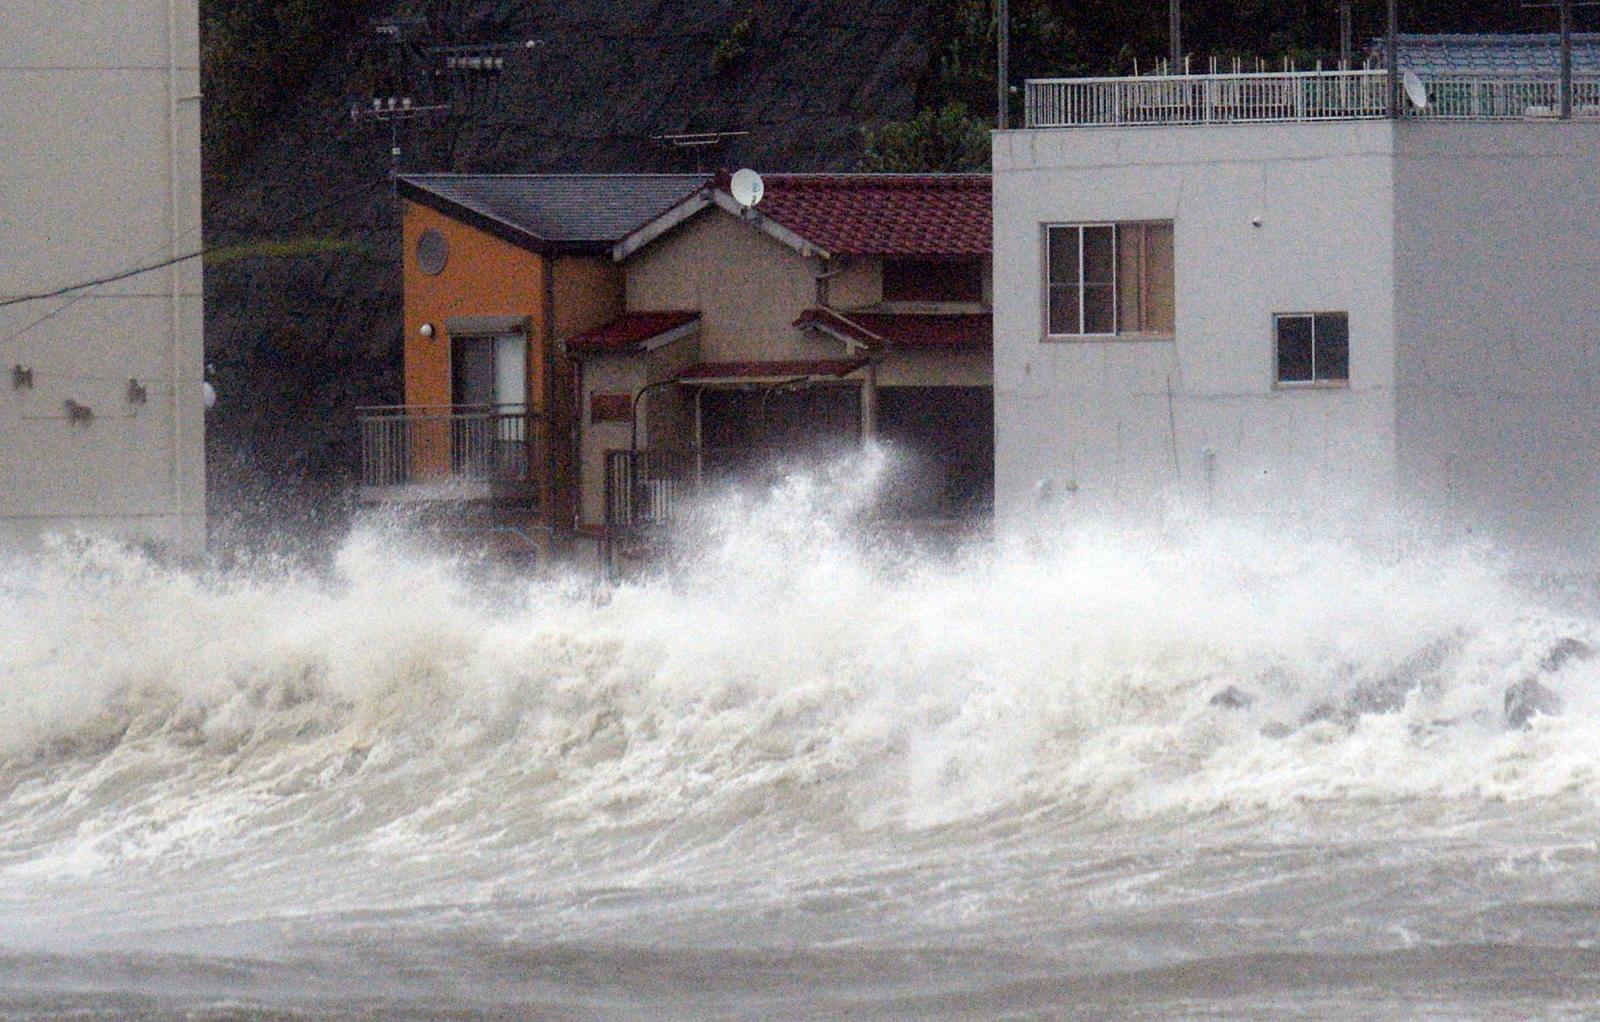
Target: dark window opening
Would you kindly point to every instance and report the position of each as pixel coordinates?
(943, 438)
(1313, 347)
(932, 280)
(744, 430)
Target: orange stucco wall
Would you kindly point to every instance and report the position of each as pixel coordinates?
(483, 276)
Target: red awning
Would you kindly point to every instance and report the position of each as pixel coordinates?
(705, 373)
(635, 331)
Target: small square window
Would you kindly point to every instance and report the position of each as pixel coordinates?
(1312, 347)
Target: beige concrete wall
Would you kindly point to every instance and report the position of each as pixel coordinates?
(859, 284)
(666, 418)
(1497, 373)
(936, 369)
(605, 374)
(101, 174)
(586, 292)
(748, 286)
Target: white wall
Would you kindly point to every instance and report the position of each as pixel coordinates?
(101, 174)
(1126, 423)
(1498, 265)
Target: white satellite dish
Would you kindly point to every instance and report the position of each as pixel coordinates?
(1416, 91)
(747, 188)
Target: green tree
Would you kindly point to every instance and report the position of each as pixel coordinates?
(948, 139)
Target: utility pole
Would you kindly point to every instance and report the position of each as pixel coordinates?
(1346, 36)
(1175, 31)
(1566, 60)
(1002, 76)
(1392, 45)
(437, 64)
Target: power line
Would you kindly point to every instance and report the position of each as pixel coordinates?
(124, 275)
(338, 200)
(174, 260)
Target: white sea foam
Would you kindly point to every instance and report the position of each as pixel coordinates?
(790, 687)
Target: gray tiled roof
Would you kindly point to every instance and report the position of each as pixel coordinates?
(1493, 54)
(557, 209)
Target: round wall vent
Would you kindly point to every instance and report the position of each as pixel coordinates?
(432, 252)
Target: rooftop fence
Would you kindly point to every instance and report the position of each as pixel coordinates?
(1247, 98)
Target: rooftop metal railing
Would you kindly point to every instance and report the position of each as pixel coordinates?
(407, 444)
(1244, 98)
(1467, 97)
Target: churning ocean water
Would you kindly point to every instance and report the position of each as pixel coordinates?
(1186, 770)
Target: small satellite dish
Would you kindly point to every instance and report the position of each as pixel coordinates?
(747, 188)
(1416, 91)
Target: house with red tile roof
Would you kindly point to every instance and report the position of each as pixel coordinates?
(842, 308)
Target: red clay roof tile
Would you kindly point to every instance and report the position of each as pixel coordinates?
(883, 214)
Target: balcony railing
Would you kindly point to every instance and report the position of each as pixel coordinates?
(1291, 96)
(449, 450)
(648, 487)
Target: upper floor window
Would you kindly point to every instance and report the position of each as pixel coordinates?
(1108, 279)
(932, 280)
(1312, 347)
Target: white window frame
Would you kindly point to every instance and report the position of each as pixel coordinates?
(1313, 383)
(1116, 333)
(1116, 241)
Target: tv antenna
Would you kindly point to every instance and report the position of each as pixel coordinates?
(697, 142)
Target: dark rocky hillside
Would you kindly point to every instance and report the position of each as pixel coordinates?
(302, 302)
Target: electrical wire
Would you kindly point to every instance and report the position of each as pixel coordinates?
(98, 282)
(124, 275)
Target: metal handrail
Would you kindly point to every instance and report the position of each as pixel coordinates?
(1256, 97)
(386, 411)
(434, 444)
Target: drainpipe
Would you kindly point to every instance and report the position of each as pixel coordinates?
(548, 390)
(175, 320)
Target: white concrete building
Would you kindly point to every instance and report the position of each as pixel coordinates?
(1266, 297)
(101, 412)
